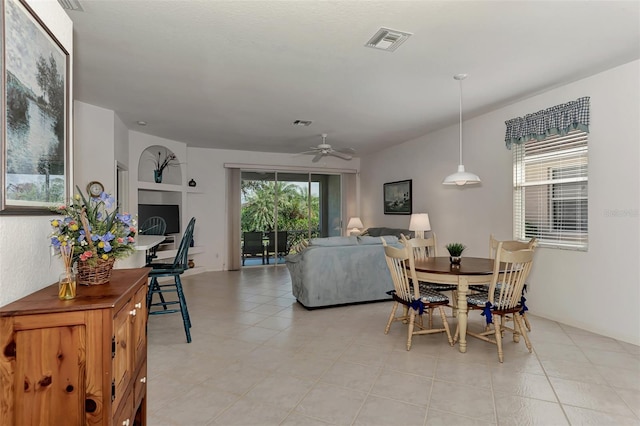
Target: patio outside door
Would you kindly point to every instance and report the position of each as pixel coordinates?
(286, 208)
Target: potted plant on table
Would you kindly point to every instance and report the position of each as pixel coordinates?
(455, 252)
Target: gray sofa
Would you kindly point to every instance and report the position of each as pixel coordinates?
(341, 270)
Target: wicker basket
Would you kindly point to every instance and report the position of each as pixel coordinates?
(95, 275)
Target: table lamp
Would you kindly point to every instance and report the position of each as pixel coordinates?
(419, 223)
(354, 226)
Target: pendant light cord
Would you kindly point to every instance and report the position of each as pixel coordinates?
(460, 82)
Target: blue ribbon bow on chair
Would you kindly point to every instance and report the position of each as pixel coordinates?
(418, 305)
(486, 312)
(524, 307)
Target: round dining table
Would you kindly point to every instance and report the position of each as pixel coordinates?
(471, 270)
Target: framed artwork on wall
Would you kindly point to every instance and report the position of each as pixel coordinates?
(35, 139)
(397, 197)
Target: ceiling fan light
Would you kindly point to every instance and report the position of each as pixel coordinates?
(461, 178)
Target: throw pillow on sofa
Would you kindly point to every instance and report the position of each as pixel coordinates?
(300, 246)
(379, 231)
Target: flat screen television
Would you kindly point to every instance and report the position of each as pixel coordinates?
(169, 212)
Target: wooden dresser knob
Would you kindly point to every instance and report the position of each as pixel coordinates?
(138, 305)
(132, 312)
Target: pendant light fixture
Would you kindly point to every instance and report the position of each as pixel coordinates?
(461, 177)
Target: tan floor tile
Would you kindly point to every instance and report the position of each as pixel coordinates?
(404, 387)
(259, 358)
(199, 406)
(280, 390)
(297, 419)
(350, 375)
(383, 412)
(441, 418)
(522, 384)
(245, 412)
(331, 403)
(305, 365)
(583, 416)
(589, 395)
(463, 400)
(516, 410)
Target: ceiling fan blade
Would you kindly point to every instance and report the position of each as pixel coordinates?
(315, 151)
(340, 155)
(317, 157)
(346, 150)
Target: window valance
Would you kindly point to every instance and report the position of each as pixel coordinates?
(557, 120)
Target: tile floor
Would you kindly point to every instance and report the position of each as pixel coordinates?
(259, 358)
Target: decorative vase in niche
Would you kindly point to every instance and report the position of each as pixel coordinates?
(191, 264)
(455, 260)
(157, 176)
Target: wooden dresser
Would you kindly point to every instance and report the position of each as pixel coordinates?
(76, 362)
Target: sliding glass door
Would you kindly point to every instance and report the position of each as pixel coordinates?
(284, 208)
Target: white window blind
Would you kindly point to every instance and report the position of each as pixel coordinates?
(551, 191)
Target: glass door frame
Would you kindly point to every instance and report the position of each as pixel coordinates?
(323, 228)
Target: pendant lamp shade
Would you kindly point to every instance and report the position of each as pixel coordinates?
(461, 177)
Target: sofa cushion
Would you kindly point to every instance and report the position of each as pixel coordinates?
(366, 240)
(333, 241)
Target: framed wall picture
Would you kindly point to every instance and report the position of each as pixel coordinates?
(397, 197)
(35, 139)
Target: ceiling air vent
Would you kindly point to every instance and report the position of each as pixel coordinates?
(71, 5)
(304, 123)
(387, 39)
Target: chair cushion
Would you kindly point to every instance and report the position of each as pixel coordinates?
(479, 287)
(481, 299)
(438, 287)
(478, 299)
(432, 296)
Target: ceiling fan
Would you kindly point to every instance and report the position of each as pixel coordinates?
(324, 149)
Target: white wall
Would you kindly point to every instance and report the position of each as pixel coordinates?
(598, 290)
(26, 264)
(121, 142)
(94, 150)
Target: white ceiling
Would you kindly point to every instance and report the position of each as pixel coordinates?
(236, 74)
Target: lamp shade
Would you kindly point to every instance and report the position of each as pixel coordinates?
(355, 222)
(419, 222)
(461, 178)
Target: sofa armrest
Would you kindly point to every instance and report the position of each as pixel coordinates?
(293, 258)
